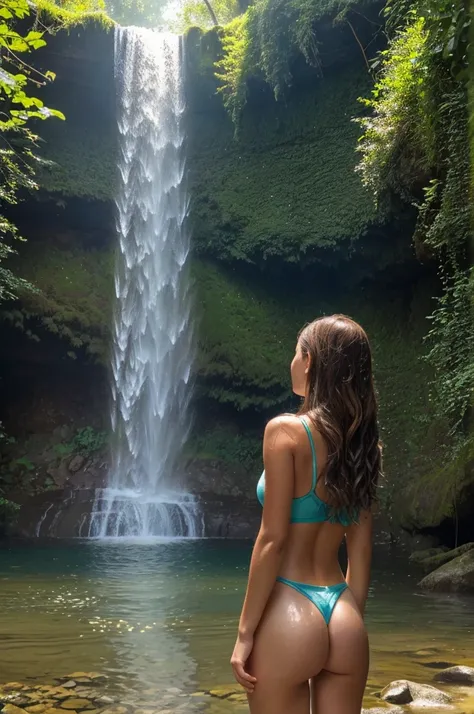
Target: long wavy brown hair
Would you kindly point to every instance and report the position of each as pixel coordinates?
(342, 404)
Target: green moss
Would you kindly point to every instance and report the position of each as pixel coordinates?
(432, 497)
(438, 559)
(226, 444)
(83, 156)
(238, 323)
(73, 300)
(65, 19)
(287, 188)
(248, 331)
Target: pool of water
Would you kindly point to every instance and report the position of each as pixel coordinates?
(164, 614)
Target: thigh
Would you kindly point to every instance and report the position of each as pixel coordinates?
(291, 646)
(339, 687)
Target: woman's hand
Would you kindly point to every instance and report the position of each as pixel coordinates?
(243, 648)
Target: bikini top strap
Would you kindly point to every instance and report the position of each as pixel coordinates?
(313, 452)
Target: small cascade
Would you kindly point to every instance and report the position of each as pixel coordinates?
(153, 342)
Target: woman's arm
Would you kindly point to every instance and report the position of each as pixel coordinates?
(278, 450)
(359, 556)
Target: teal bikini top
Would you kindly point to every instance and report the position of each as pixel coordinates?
(309, 508)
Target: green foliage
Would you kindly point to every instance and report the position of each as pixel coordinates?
(66, 14)
(19, 108)
(415, 146)
(266, 40)
(396, 145)
(73, 300)
(194, 13)
(287, 188)
(25, 462)
(243, 450)
(8, 513)
(86, 441)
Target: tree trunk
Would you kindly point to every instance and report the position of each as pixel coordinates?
(211, 12)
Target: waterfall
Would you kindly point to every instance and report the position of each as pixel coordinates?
(152, 333)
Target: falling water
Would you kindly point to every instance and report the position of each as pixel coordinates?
(153, 345)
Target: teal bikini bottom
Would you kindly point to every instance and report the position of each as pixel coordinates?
(324, 597)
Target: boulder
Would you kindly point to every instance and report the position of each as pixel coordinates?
(402, 691)
(456, 675)
(457, 576)
(76, 463)
(436, 560)
(418, 556)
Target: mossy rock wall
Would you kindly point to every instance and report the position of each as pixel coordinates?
(247, 338)
(285, 188)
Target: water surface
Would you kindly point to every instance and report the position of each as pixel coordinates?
(164, 614)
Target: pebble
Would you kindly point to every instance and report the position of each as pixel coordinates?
(12, 709)
(77, 704)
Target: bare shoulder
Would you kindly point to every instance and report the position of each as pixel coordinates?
(286, 425)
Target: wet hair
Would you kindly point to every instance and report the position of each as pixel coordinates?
(342, 404)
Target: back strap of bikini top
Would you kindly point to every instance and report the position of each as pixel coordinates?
(313, 452)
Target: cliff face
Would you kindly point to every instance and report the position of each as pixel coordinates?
(282, 232)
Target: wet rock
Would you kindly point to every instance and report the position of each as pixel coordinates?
(173, 690)
(70, 684)
(97, 677)
(37, 708)
(13, 687)
(436, 560)
(418, 556)
(116, 710)
(403, 691)
(437, 664)
(455, 576)
(18, 700)
(144, 711)
(12, 709)
(383, 710)
(76, 463)
(105, 700)
(60, 695)
(224, 692)
(77, 704)
(456, 675)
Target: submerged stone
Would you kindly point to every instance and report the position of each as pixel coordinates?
(13, 687)
(223, 692)
(383, 710)
(70, 684)
(12, 709)
(37, 708)
(78, 704)
(116, 710)
(458, 674)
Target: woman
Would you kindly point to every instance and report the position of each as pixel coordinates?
(302, 642)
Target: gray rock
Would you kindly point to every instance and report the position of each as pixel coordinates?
(69, 685)
(76, 463)
(434, 561)
(455, 576)
(104, 700)
(456, 675)
(383, 710)
(402, 691)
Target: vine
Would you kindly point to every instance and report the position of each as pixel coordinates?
(415, 146)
